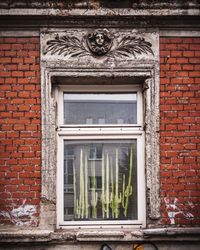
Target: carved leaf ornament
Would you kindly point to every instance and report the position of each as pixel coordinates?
(98, 43)
(67, 46)
(132, 46)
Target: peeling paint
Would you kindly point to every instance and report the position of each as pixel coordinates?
(23, 215)
(174, 209)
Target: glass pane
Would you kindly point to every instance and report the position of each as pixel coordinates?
(100, 108)
(103, 183)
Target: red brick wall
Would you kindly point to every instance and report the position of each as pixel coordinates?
(20, 130)
(180, 130)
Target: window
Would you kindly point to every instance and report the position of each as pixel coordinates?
(100, 180)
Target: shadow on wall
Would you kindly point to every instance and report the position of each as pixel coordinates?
(116, 3)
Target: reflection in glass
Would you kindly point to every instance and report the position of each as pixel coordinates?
(100, 108)
(100, 180)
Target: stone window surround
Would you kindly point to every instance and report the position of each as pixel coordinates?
(146, 75)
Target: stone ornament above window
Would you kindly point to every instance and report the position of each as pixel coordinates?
(98, 43)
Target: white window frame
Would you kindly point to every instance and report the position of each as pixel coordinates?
(103, 132)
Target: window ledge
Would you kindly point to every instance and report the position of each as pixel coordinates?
(24, 235)
(61, 236)
(171, 232)
(96, 235)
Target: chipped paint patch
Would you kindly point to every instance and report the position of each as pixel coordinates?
(173, 209)
(22, 215)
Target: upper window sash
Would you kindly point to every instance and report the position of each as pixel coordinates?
(100, 108)
(108, 89)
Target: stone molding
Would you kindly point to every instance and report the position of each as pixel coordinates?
(144, 68)
(69, 4)
(89, 44)
(10, 236)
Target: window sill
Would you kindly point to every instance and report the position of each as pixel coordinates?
(12, 235)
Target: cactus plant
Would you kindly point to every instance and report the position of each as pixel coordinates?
(105, 197)
(82, 194)
(103, 187)
(94, 193)
(127, 192)
(112, 205)
(74, 181)
(86, 187)
(107, 187)
(117, 198)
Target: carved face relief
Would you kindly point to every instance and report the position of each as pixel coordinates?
(99, 39)
(99, 42)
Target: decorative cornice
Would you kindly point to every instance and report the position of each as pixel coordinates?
(98, 44)
(91, 4)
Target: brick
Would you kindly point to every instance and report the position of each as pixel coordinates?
(5, 46)
(16, 58)
(10, 80)
(24, 94)
(29, 46)
(165, 53)
(5, 74)
(176, 53)
(179, 128)
(24, 107)
(194, 74)
(182, 46)
(22, 53)
(5, 60)
(17, 46)
(182, 74)
(195, 47)
(194, 60)
(17, 88)
(23, 67)
(188, 53)
(17, 74)
(10, 53)
(171, 46)
(188, 67)
(175, 67)
(171, 60)
(182, 60)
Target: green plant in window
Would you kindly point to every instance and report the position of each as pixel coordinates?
(117, 196)
(103, 188)
(112, 205)
(74, 181)
(78, 210)
(94, 194)
(86, 187)
(105, 198)
(82, 187)
(127, 192)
